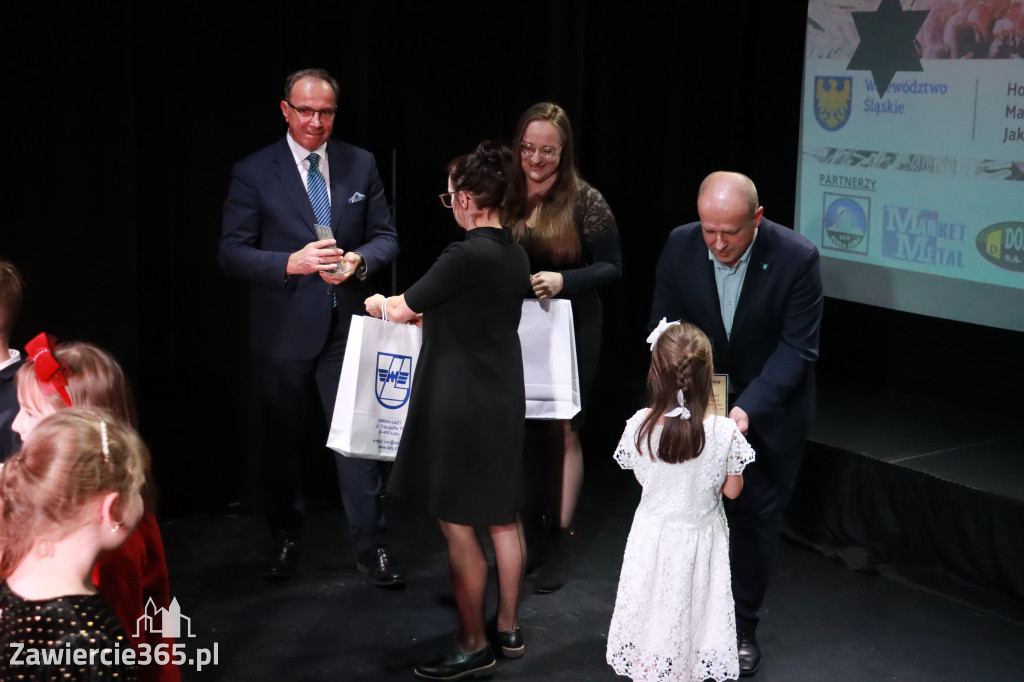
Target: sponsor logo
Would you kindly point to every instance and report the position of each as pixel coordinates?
(1002, 244)
(832, 96)
(918, 235)
(394, 379)
(845, 223)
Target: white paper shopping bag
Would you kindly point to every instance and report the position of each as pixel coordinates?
(550, 373)
(373, 393)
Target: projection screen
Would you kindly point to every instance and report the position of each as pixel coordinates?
(911, 172)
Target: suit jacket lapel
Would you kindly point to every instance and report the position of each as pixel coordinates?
(288, 174)
(753, 281)
(338, 198)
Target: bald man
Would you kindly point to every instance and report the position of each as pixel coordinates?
(754, 287)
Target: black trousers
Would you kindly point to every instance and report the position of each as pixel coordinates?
(287, 389)
(755, 525)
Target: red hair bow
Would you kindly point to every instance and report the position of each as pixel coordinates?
(48, 371)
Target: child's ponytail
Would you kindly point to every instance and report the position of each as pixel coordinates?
(679, 382)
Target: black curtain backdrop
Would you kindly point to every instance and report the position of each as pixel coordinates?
(125, 119)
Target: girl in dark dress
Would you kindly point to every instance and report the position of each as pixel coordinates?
(461, 449)
(71, 494)
(570, 235)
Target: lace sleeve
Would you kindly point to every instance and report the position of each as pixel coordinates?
(595, 215)
(599, 236)
(626, 454)
(740, 453)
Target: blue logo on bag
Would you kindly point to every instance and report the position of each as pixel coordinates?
(394, 379)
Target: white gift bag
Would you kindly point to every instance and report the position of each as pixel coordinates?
(374, 390)
(550, 373)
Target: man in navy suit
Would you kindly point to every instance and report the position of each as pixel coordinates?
(11, 286)
(303, 293)
(754, 287)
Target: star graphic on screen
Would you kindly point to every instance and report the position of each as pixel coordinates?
(887, 42)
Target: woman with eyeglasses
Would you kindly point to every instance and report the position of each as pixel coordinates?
(569, 233)
(461, 450)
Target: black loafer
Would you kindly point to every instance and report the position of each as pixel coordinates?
(749, 653)
(455, 665)
(378, 565)
(511, 643)
(284, 562)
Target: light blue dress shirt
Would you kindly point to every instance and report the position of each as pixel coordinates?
(730, 283)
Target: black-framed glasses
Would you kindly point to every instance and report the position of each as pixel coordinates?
(546, 152)
(306, 112)
(447, 199)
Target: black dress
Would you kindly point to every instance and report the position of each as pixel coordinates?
(461, 449)
(600, 263)
(59, 627)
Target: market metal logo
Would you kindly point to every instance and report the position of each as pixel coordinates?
(845, 223)
(394, 379)
(1002, 244)
(832, 96)
(921, 235)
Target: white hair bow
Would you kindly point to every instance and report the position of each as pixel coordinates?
(658, 331)
(680, 411)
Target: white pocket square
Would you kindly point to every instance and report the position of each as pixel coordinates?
(356, 198)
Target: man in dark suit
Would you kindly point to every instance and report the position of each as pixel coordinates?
(303, 293)
(11, 286)
(754, 287)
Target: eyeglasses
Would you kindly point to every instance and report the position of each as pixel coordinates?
(447, 198)
(306, 112)
(546, 152)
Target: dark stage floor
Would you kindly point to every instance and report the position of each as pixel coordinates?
(822, 621)
(976, 444)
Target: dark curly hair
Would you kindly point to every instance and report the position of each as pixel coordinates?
(483, 174)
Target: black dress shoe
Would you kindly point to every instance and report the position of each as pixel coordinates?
(284, 562)
(455, 665)
(749, 653)
(510, 642)
(378, 565)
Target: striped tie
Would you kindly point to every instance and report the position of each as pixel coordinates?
(317, 189)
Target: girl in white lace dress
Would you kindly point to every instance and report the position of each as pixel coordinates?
(674, 617)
